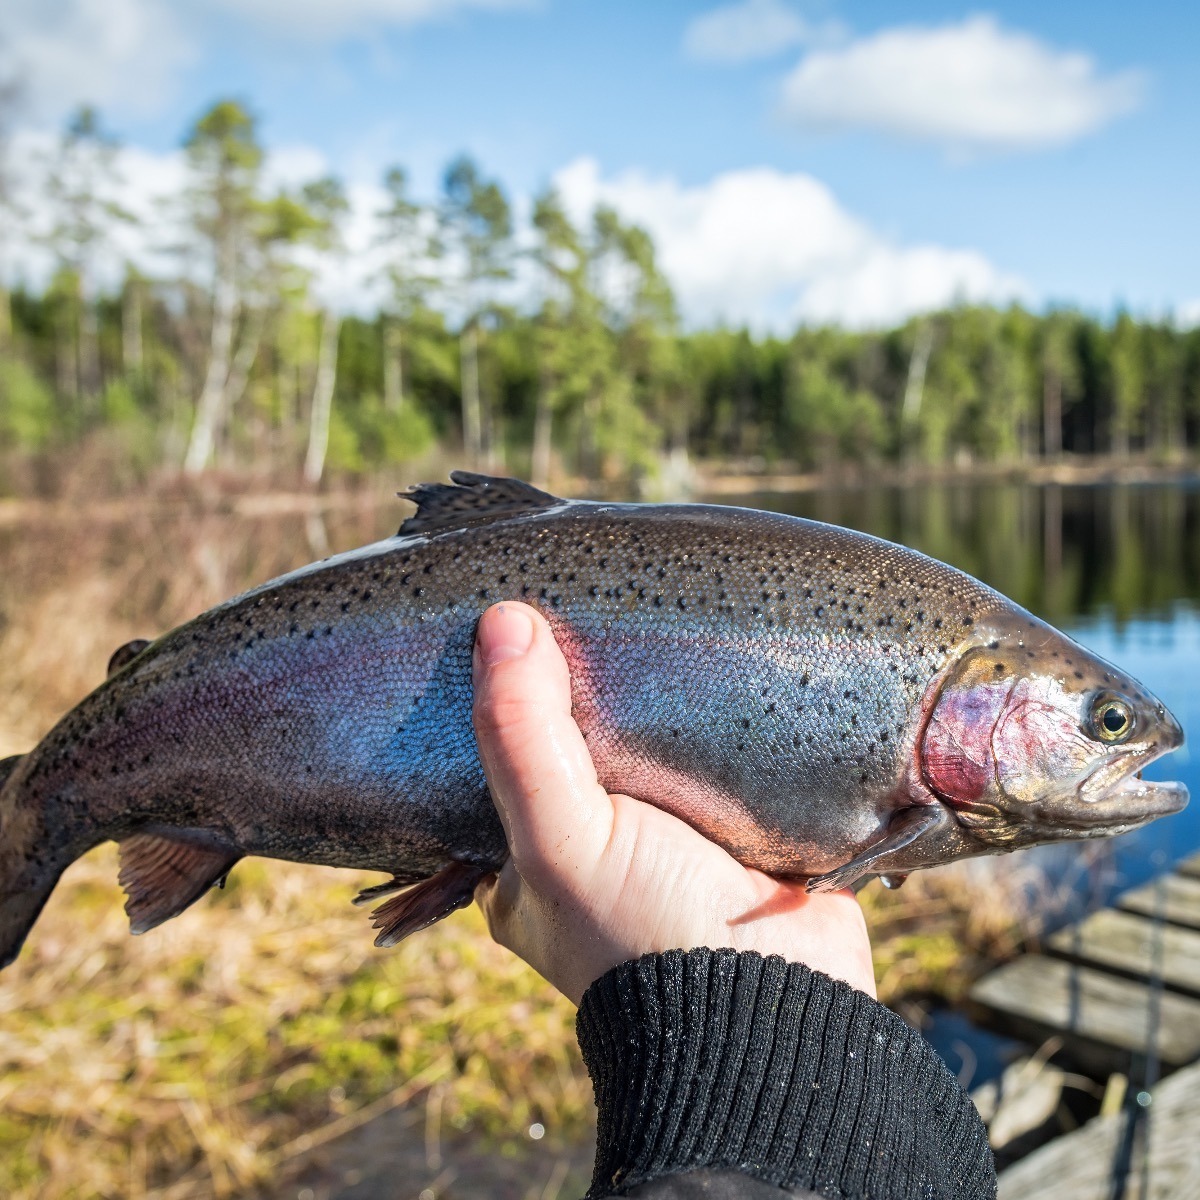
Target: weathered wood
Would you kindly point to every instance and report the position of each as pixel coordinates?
(1080, 1166)
(1181, 900)
(1190, 867)
(1021, 1103)
(1101, 1018)
(1125, 942)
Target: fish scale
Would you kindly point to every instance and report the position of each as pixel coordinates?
(819, 702)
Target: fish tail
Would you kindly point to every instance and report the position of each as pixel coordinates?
(29, 867)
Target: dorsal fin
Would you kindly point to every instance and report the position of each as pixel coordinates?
(471, 500)
(124, 655)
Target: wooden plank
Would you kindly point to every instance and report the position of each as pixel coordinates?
(1101, 1018)
(1125, 942)
(1080, 1165)
(1181, 895)
(1190, 867)
(1021, 1104)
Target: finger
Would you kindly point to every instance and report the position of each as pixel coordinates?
(557, 816)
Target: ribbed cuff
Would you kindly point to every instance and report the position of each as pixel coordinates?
(711, 1058)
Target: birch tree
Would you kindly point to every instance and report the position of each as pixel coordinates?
(477, 223)
(326, 200)
(226, 161)
(573, 346)
(80, 186)
(12, 213)
(409, 251)
(1128, 383)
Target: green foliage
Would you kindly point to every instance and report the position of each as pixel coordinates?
(27, 408)
(369, 435)
(589, 372)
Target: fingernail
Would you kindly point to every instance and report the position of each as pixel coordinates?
(504, 634)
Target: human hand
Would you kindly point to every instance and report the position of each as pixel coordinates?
(596, 879)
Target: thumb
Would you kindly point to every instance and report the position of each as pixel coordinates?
(557, 816)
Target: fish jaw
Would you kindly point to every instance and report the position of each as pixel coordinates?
(1012, 743)
(1116, 796)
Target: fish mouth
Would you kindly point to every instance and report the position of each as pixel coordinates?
(1115, 794)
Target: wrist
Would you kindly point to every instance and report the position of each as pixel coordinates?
(717, 1059)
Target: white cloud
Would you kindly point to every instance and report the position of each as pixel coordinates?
(127, 55)
(1187, 315)
(149, 185)
(748, 30)
(114, 53)
(755, 246)
(971, 86)
(770, 249)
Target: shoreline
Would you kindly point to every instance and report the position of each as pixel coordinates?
(1063, 473)
(709, 480)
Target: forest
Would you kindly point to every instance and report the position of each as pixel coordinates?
(545, 348)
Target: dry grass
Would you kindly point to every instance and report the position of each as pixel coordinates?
(202, 1058)
(210, 1057)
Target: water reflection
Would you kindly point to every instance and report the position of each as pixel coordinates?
(1063, 552)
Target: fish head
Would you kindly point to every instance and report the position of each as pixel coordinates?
(1031, 738)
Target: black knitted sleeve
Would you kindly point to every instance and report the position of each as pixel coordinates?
(728, 1065)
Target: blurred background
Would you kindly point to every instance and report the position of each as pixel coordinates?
(923, 270)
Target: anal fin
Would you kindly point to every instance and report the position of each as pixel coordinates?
(452, 888)
(906, 827)
(163, 875)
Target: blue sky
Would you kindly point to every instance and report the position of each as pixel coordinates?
(883, 156)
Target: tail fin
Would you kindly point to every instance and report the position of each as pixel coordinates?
(26, 877)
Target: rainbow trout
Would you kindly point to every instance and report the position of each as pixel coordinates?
(823, 704)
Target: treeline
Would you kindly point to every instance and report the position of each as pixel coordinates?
(552, 348)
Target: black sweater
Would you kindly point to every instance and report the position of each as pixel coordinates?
(736, 1077)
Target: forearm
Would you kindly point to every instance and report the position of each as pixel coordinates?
(735, 1068)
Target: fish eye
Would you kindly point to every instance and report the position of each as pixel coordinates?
(1112, 719)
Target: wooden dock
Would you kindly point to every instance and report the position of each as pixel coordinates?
(1149, 1152)
(1111, 991)
(1093, 987)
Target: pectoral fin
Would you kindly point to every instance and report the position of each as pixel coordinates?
(163, 875)
(906, 827)
(453, 887)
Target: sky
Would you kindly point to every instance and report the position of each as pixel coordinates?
(815, 160)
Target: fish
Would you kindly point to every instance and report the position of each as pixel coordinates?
(824, 705)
